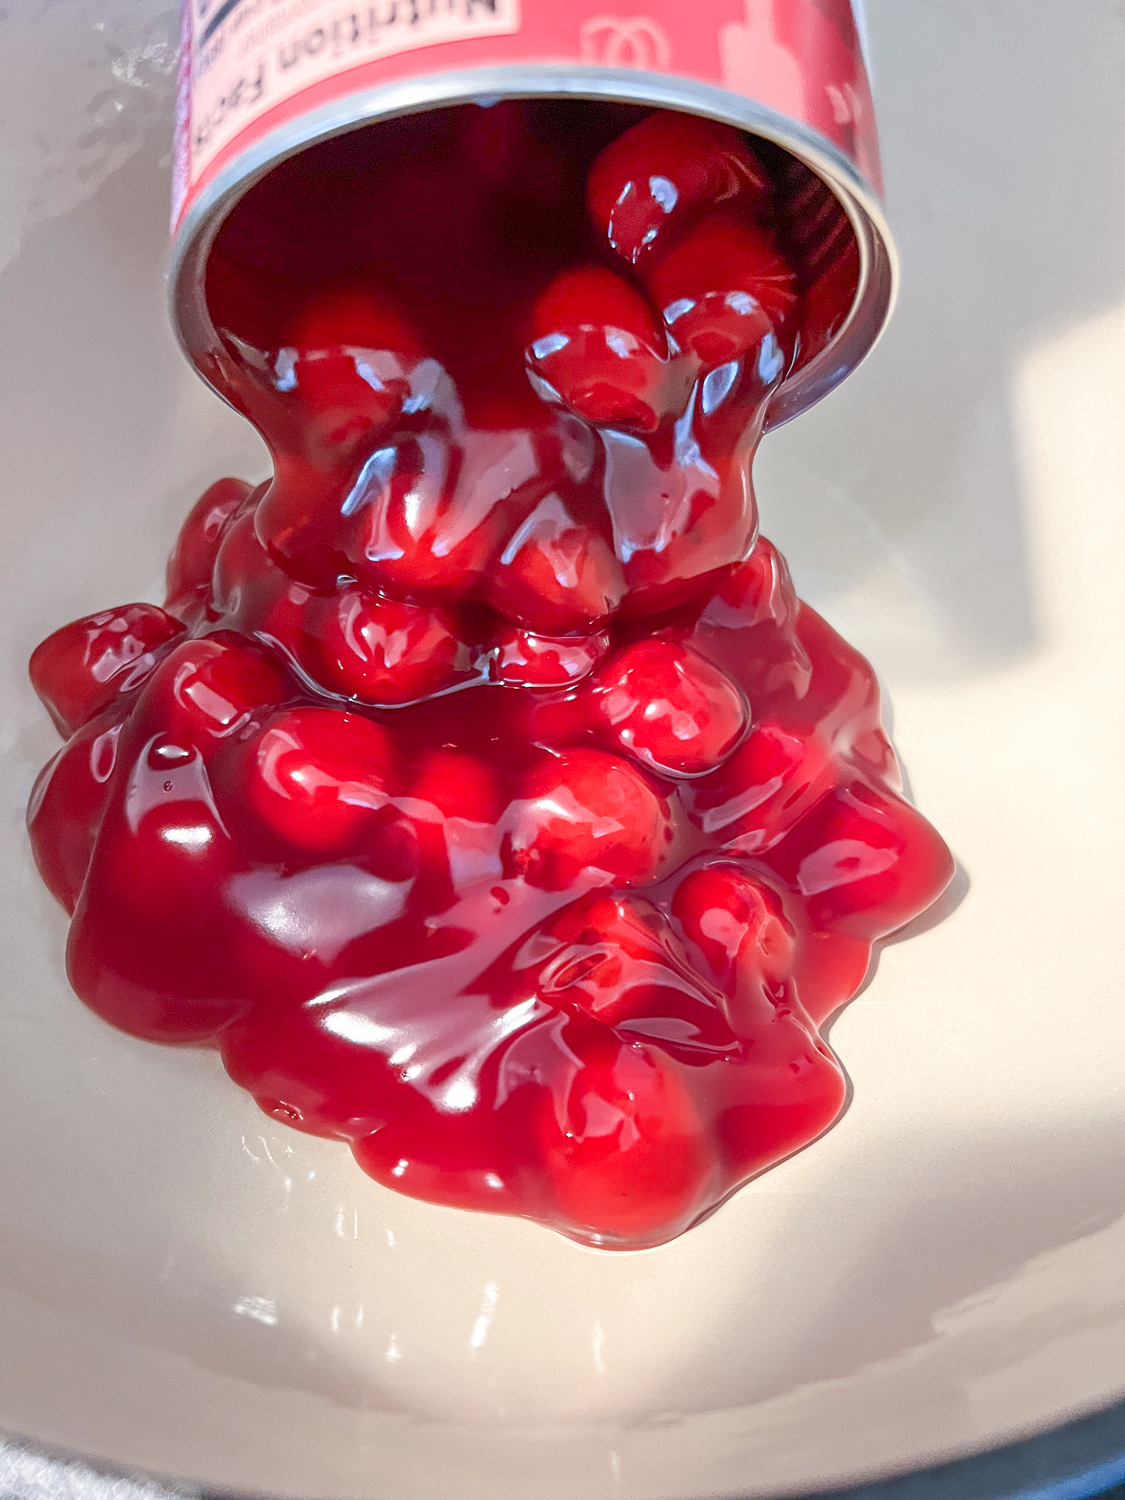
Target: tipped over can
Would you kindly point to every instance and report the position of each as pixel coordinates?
(262, 80)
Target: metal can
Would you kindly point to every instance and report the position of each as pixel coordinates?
(261, 80)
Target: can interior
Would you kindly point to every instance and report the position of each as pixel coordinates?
(382, 203)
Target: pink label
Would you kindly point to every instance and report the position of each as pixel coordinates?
(251, 55)
(260, 65)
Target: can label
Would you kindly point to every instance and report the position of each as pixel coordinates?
(252, 66)
(254, 54)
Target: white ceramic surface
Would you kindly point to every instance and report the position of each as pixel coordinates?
(187, 1287)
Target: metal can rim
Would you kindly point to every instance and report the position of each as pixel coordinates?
(877, 287)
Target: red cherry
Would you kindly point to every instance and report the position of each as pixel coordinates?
(670, 707)
(350, 353)
(278, 619)
(830, 968)
(790, 1091)
(758, 589)
(737, 924)
(383, 651)
(623, 1146)
(676, 525)
(865, 863)
(251, 595)
(724, 290)
(582, 811)
(304, 1072)
(652, 182)
(318, 774)
(503, 145)
(207, 690)
(244, 574)
(598, 348)
(620, 960)
(143, 951)
(193, 557)
(426, 530)
(172, 842)
(524, 659)
(459, 785)
(66, 806)
(771, 780)
(83, 667)
(556, 576)
(301, 522)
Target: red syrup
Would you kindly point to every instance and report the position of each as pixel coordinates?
(483, 793)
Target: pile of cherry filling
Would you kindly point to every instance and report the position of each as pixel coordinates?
(482, 792)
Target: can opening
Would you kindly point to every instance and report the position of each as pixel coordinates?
(455, 218)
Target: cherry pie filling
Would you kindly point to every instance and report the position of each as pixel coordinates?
(482, 791)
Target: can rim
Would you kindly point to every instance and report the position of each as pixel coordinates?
(876, 291)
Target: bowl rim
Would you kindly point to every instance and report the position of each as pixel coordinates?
(1078, 1460)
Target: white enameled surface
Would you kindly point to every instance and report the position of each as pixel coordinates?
(187, 1287)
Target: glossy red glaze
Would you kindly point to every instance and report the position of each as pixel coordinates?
(384, 651)
(668, 706)
(79, 670)
(188, 577)
(654, 181)
(723, 289)
(500, 811)
(349, 351)
(598, 349)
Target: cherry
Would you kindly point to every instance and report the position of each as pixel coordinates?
(423, 533)
(670, 707)
(830, 968)
(676, 523)
(557, 575)
(620, 960)
(417, 1153)
(652, 182)
(208, 690)
(252, 595)
(763, 789)
(66, 807)
(598, 348)
(381, 650)
(81, 669)
(582, 811)
(623, 1146)
(316, 776)
(193, 557)
(791, 1089)
(737, 923)
(459, 785)
(758, 589)
(559, 951)
(278, 617)
(299, 522)
(864, 862)
(243, 574)
(142, 949)
(304, 1072)
(348, 353)
(523, 659)
(529, 177)
(725, 291)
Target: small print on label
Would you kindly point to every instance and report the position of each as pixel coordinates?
(250, 55)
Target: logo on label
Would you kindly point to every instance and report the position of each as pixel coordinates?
(757, 63)
(625, 42)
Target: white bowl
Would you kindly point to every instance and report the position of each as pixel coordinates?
(188, 1288)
